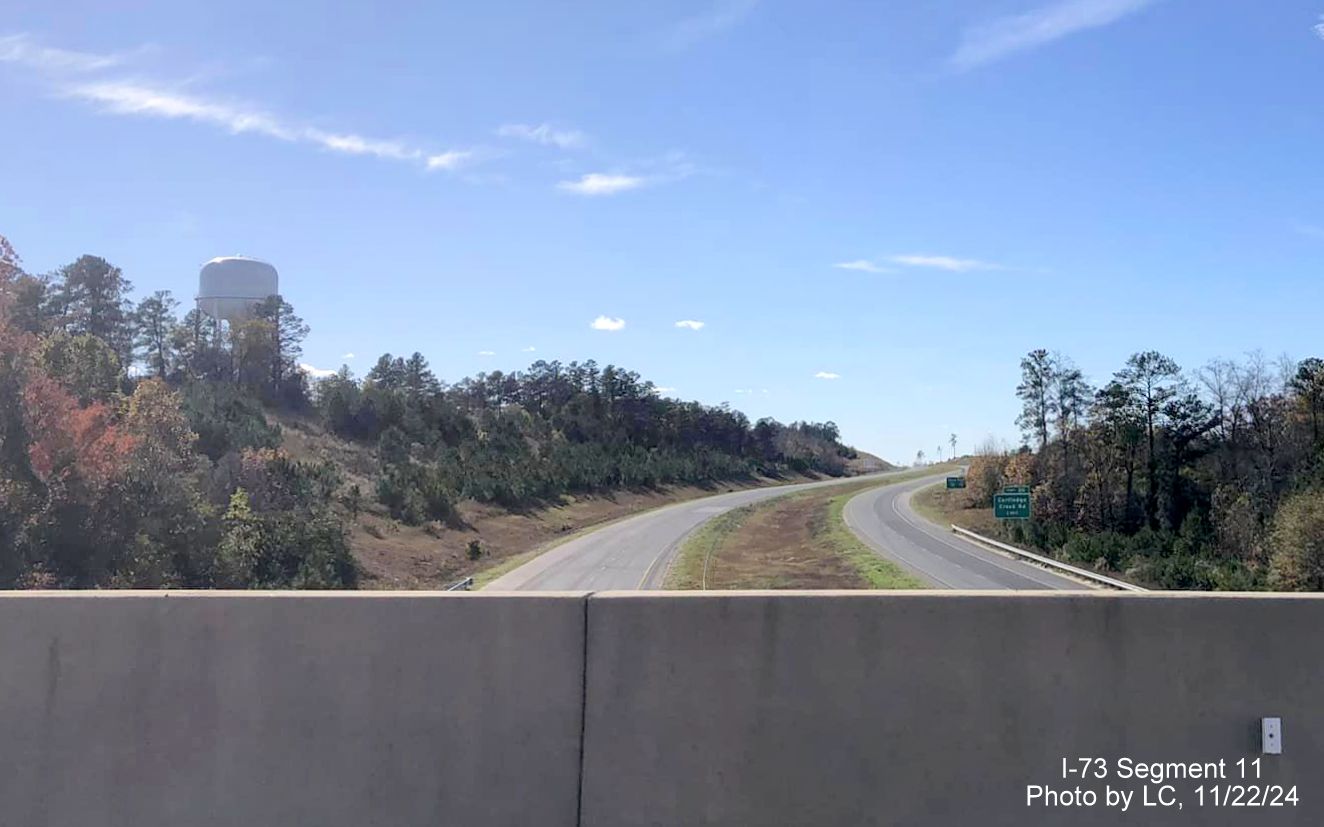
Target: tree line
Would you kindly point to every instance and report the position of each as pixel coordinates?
(136, 446)
(520, 437)
(134, 450)
(1210, 479)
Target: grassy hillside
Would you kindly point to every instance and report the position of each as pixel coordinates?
(394, 555)
(139, 449)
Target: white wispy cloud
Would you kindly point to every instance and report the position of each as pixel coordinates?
(723, 15)
(529, 349)
(1319, 27)
(152, 99)
(1005, 36)
(691, 324)
(827, 374)
(487, 353)
(663, 169)
(955, 265)
(545, 134)
(316, 373)
(347, 356)
(22, 49)
(607, 323)
(117, 97)
(862, 265)
(664, 390)
(597, 183)
(451, 159)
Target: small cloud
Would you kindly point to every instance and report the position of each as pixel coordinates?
(347, 356)
(955, 265)
(1005, 36)
(316, 373)
(742, 390)
(664, 390)
(451, 159)
(19, 48)
(544, 134)
(690, 323)
(596, 183)
(529, 349)
(723, 15)
(607, 323)
(863, 265)
(1311, 230)
(487, 353)
(824, 374)
(1319, 27)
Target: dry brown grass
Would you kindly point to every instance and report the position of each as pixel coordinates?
(945, 507)
(794, 542)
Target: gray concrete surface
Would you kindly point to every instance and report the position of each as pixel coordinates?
(883, 519)
(734, 708)
(187, 709)
(938, 708)
(634, 553)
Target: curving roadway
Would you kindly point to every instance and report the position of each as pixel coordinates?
(883, 519)
(634, 553)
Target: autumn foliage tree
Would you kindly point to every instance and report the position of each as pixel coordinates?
(1207, 483)
(102, 480)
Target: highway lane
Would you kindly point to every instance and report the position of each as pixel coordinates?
(634, 553)
(883, 519)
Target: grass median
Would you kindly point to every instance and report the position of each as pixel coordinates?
(796, 541)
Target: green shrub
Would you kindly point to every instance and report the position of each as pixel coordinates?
(1297, 540)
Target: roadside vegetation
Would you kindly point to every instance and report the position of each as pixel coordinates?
(946, 507)
(1212, 479)
(140, 448)
(797, 541)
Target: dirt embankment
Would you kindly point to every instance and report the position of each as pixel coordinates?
(392, 555)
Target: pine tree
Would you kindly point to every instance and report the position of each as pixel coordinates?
(155, 322)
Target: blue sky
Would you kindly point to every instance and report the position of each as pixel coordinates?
(475, 179)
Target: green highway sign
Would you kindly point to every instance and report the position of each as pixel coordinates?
(1015, 489)
(956, 482)
(1011, 506)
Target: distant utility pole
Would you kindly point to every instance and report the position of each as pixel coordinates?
(953, 441)
(939, 453)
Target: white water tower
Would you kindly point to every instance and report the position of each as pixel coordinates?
(230, 287)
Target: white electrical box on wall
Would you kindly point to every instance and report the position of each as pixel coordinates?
(1271, 736)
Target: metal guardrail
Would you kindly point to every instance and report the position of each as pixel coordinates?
(462, 586)
(1049, 562)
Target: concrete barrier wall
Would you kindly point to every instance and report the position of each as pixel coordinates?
(792, 708)
(152, 710)
(938, 709)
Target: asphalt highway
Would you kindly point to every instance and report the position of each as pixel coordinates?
(634, 553)
(883, 519)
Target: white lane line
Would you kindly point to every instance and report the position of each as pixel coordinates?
(1019, 572)
(879, 547)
